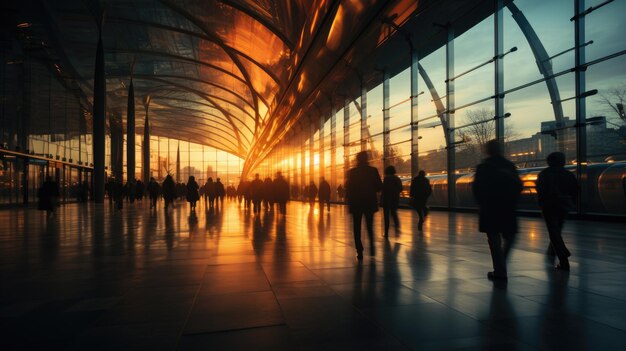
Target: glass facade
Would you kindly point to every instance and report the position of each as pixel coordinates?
(538, 76)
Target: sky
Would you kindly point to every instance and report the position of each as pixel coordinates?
(530, 106)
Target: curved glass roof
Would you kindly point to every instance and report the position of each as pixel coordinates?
(238, 74)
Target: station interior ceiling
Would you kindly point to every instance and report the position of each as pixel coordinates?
(237, 75)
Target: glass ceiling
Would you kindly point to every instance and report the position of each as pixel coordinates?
(232, 74)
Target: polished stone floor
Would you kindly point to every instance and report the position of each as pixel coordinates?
(91, 278)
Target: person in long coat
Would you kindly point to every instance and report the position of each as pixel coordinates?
(420, 192)
(256, 193)
(323, 194)
(192, 192)
(390, 199)
(169, 190)
(362, 185)
(281, 190)
(556, 192)
(497, 187)
(220, 192)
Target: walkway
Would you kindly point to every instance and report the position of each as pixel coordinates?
(93, 279)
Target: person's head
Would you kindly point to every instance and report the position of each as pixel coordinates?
(217, 180)
(322, 179)
(362, 158)
(192, 178)
(279, 175)
(152, 179)
(210, 179)
(556, 159)
(390, 170)
(493, 148)
(256, 176)
(421, 174)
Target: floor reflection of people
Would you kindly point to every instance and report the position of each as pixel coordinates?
(561, 328)
(420, 263)
(364, 288)
(169, 230)
(391, 272)
(497, 334)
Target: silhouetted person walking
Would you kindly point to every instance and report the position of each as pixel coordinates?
(268, 194)
(256, 193)
(281, 190)
(220, 192)
(153, 192)
(192, 192)
(496, 188)
(420, 192)
(362, 184)
(48, 196)
(390, 198)
(210, 191)
(323, 194)
(118, 194)
(556, 192)
(169, 190)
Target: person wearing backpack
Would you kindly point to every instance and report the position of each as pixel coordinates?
(556, 193)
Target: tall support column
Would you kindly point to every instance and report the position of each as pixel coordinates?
(99, 115)
(311, 145)
(178, 164)
(386, 117)
(145, 160)
(450, 117)
(333, 150)
(346, 137)
(364, 132)
(498, 51)
(321, 150)
(302, 162)
(130, 133)
(414, 125)
(117, 149)
(581, 106)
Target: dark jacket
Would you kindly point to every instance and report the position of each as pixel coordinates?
(361, 187)
(556, 189)
(497, 187)
(153, 189)
(323, 194)
(192, 191)
(392, 187)
(281, 189)
(420, 191)
(48, 194)
(169, 188)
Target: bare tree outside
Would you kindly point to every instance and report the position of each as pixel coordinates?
(481, 129)
(613, 100)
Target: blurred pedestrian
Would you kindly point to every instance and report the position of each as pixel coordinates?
(556, 191)
(192, 192)
(323, 195)
(362, 185)
(420, 192)
(390, 199)
(497, 187)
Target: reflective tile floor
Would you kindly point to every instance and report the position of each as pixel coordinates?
(95, 279)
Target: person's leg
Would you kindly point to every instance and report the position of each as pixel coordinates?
(369, 223)
(554, 222)
(497, 258)
(420, 213)
(386, 211)
(396, 220)
(508, 242)
(356, 227)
